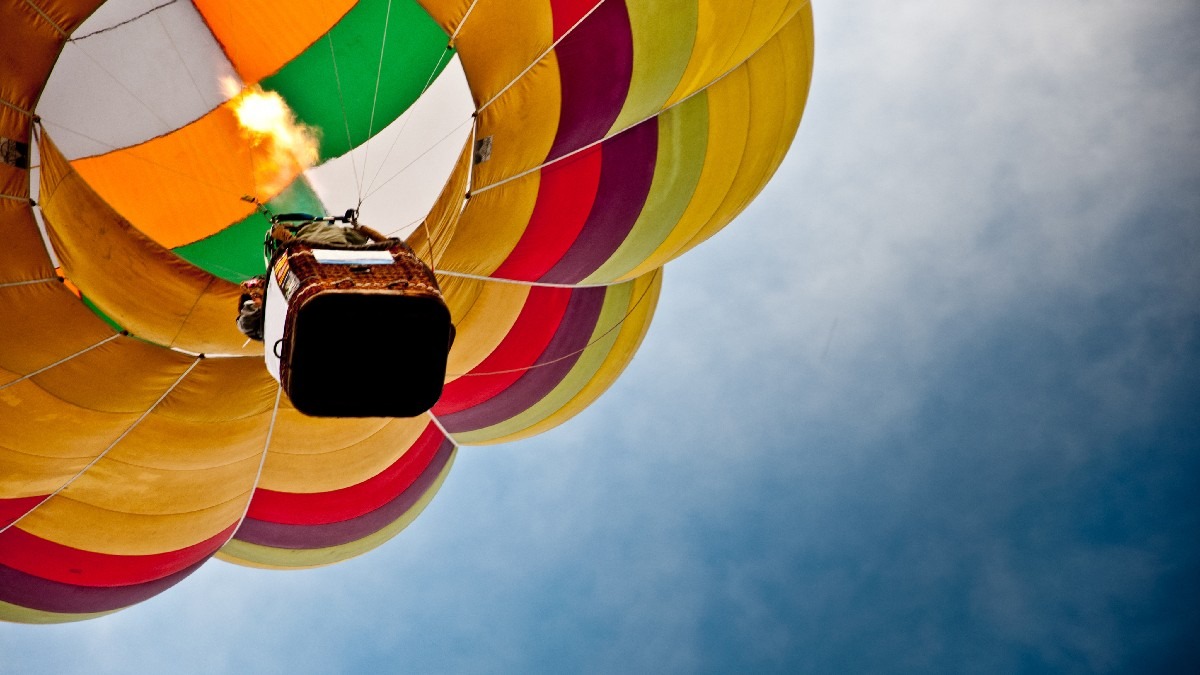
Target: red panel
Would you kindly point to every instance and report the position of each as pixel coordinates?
(321, 508)
(568, 12)
(530, 335)
(565, 197)
(49, 560)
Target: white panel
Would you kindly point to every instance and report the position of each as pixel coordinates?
(274, 321)
(400, 172)
(135, 79)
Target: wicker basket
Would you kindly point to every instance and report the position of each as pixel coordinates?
(367, 332)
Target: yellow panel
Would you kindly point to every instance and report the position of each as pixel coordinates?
(799, 42)
(146, 289)
(218, 415)
(30, 46)
(53, 424)
(132, 492)
(44, 441)
(23, 256)
(447, 13)
(298, 434)
(522, 124)
(497, 41)
(124, 375)
(90, 528)
(25, 476)
(769, 132)
(168, 482)
(338, 467)
(485, 325)
(779, 79)
(727, 34)
(490, 227)
(460, 294)
(68, 14)
(13, 183)
(442, 221)
(38, 424)
(222, 389)
(260, 37)
(42, 324)
(185, 185)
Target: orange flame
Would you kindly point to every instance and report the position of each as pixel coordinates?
(281, 147)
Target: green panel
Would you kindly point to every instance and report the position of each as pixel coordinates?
(414, 51)
(19, 614)
(236, 253)
(682, 148)
(661, 51)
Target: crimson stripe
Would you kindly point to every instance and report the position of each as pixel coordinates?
(571, 338)
(595, 64)
(535, 327)
(565, 196)
(25, 590)
(567, 13)
(308, 537)
(629, 161)
(50, 560)
(320, 508)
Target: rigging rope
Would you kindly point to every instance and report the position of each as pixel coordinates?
(123, 23)
(112, 445)
(564, 357)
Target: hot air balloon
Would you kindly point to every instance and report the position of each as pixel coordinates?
(546, 158)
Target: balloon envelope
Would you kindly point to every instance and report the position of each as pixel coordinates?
(546, 157)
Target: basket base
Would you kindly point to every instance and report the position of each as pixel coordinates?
(356, 354)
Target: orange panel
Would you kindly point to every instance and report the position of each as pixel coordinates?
(260, 37)
(186, 185)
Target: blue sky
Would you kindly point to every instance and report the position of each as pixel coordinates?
(945, 417)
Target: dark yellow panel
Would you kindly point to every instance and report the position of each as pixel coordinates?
(23, 256)
(145, 288)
